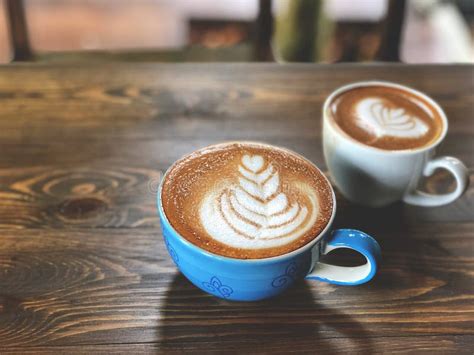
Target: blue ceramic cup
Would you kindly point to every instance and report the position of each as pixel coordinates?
(256, 279)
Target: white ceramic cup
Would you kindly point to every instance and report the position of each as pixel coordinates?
(375, 177)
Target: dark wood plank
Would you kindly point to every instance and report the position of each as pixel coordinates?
(119, 286)
(92, 196)
(75, 196)
(161, 152)
(448, 344)
(199, 101)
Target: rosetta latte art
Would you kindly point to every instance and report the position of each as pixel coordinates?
(376, 118)
(254, 212)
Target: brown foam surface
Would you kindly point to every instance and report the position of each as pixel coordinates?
(343, 112)
(192, 178)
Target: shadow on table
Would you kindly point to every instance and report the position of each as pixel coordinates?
(411, 250)
(299, 319)
(195, 321)
(401, 230)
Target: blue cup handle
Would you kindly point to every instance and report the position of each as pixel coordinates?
(342, 275)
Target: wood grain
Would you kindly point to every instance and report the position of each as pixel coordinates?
(82, 264)
(206, 101)
(449, 344)
(77, 287)
(93, 196)
(89, 196)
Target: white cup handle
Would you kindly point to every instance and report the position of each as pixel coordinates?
(456, 168)
(344, 275)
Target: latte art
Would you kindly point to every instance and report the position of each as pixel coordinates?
(381, 120)
(247, 200)
(386, 116)
(254, 212)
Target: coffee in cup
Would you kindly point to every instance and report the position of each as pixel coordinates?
(247, 200)
(386, 117)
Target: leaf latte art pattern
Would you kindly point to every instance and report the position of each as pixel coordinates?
(376, 118)
(254, 212)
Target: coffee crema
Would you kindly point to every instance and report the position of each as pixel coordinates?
(386, 117)
(246, 200)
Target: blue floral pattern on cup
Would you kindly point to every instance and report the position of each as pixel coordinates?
(290, 274)
(171, 251)
(215, 286)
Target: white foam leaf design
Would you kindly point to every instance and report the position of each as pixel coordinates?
(254, 212)
(253, 163)
(376, 118)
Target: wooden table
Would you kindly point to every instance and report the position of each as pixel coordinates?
(83, 267)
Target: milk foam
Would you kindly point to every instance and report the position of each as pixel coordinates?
(378, 119)
(252, 212)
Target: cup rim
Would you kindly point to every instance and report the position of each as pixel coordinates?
(271, 259)
(389, 84)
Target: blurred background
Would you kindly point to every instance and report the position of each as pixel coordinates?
(411, 31)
